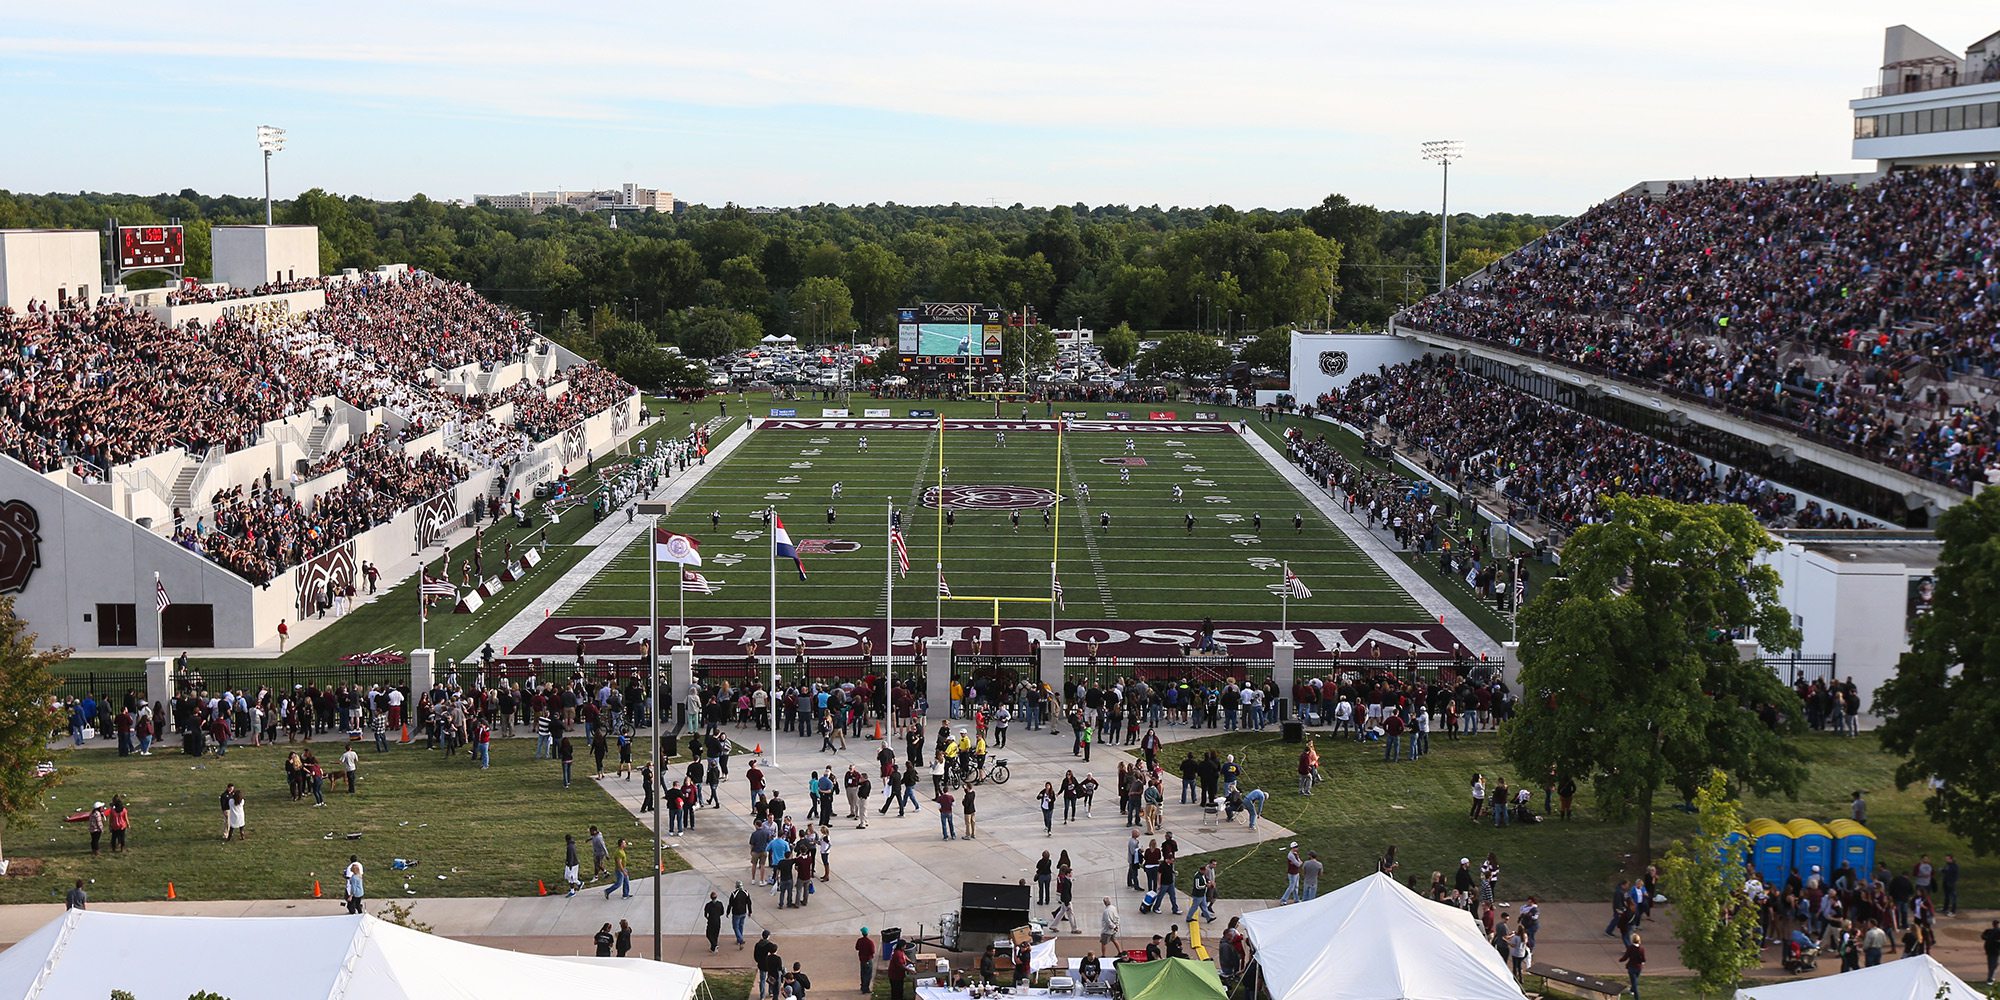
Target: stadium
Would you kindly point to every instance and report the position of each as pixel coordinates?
(1703, 463)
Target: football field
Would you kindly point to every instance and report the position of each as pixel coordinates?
(1147, 564)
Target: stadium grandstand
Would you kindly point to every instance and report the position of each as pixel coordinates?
(1768, 316)
(283, 435)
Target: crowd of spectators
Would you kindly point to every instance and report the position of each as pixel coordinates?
(110, 384)
(90, 387)
(189, 294)
(1808, 302)
(258, 532)
(1552, 464)
(589, 390)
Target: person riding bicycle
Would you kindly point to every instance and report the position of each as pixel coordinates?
(963, 746)
(951, 762)
(979, 757)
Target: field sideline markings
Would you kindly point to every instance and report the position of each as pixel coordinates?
(1090, 546)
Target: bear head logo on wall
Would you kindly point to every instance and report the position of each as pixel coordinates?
(20, 545)
(1332, 362)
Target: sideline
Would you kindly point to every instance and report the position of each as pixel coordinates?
(606, 540)
(1405, 576)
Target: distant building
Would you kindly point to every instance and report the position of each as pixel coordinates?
(1932, 105)
(628, 197)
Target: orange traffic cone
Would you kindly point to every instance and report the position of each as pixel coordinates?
(406, 732)
(541, 888)
(878, 729)
(757, 751)
(170, 891)
(316, 894)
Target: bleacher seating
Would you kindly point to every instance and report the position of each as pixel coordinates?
(92, 387)
(1861, 316)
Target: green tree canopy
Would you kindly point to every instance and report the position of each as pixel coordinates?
(1714, 921)
(1184, 355)
(26, 715)
(1119, 345)
(1943, 705)
(1629, 679)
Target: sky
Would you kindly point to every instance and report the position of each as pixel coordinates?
(1259, 104)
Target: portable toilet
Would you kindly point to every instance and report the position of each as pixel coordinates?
(1853, 846)
(1811, 845)
(1773, 846)
(1736, 848)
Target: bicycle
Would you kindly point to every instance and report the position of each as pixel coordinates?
(998, 774)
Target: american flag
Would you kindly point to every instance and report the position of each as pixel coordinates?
(695, 583)
(1296, 586)
(436, 587)
(902, 554)
(160, 599)
(1059, 601)
(944, 589)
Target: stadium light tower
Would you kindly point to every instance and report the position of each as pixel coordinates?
(1442, 152)
(270, 139)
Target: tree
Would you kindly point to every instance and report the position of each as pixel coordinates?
(1945, 697)
(709, 332)
(1272, 349)
(1628, 675)
(877, 280)
(824, 306)
(26, 716)
(1184, 355)
(1119, 345)
(1715, 923)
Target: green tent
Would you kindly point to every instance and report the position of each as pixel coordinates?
(1170, 979)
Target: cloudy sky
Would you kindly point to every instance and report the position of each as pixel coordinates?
(1559, 104)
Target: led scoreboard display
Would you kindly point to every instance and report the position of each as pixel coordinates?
(150, 246)
(964, 336)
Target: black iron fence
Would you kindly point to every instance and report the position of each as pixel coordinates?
(1790, 669)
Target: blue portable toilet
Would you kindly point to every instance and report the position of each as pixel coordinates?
(1773, 846)
(1812, 846)
(1737, 848)
(1853, 846)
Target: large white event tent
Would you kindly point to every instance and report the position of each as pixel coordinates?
(1375, 940)
(1919, 977)
(85, 954)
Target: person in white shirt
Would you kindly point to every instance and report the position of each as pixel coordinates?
(350, 762)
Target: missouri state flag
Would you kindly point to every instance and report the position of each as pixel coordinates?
(781, 543)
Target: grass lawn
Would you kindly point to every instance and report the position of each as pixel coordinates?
(490, 833)
(1147, 567)
(1421, 807)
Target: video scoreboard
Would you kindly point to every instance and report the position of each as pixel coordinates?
(151, 246)
(961, 336)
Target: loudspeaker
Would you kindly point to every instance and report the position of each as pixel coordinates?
(992, 907)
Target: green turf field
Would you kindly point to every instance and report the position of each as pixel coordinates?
(1146, 566)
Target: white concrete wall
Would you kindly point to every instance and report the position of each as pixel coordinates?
(91, 555)
(209, 312)
(248, 256)
(1857, 611)
(35, 262)
(1366, 354)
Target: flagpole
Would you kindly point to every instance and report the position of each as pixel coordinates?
(1055, 539)
(159, 617)
(889, 622)
(423, 570)
(940, 526)
(659, 759)
(774, 637)
(1285, 595)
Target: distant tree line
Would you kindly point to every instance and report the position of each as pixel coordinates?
(713, 279)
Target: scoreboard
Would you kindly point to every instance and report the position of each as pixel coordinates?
(950, 336)
(150, 246)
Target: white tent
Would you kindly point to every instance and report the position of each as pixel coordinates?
(1375, 940)
(84, 955)
(1919, 978)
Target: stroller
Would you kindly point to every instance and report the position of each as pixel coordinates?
(1801, 953)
